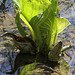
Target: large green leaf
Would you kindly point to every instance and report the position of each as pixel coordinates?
(45, 24)
(31, 8)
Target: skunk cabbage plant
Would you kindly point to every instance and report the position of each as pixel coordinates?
(41, 16)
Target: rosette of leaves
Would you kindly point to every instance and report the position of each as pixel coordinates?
(41, 18)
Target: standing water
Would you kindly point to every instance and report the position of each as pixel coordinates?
(8, 52)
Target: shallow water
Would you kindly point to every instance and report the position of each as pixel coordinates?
(68, 35)
(7, 24)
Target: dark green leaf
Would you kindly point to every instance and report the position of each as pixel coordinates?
(20, 27)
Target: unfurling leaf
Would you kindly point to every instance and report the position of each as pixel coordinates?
(53, 54)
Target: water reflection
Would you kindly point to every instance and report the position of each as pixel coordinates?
(7, 61)
(21, 60)
(9, 64)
